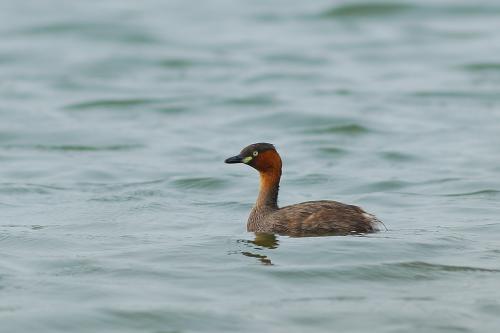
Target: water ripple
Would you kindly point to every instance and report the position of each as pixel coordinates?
(397, 156)
(428, 267)
(487, 193)
(386, 185)
(75, 148)
(199, 183)
(382, 9)
(93, 31)
(254, 100)
(346, 129)
(459, 95)
(482, 67)
(111, 103)
(16, 188)
(296, 59)
(104, 187)
(333, 151)
(412, 270)
(367, 10)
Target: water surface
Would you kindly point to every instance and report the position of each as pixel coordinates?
(117, 213)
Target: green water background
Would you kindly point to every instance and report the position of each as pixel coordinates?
(117, 213)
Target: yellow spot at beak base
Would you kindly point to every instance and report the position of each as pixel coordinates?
(247, 159)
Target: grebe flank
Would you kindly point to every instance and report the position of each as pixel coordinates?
(312, 218)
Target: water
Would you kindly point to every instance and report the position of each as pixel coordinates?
(117, 213)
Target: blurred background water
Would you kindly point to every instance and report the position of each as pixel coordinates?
(117, 213)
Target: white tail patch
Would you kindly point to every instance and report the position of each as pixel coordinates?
(375, 221)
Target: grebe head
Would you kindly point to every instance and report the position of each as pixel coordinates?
(260, 156)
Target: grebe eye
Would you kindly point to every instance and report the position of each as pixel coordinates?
(255, 153)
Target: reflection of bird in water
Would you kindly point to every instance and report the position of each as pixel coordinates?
(262, 240)
(263, 259)
(265, 240)
(313, 218)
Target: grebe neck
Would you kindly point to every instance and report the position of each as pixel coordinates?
(269, 188)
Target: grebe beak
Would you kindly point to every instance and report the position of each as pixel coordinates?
(234, 159)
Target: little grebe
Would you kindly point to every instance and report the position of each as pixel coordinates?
(312, 218)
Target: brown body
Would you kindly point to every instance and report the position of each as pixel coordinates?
(313, 218)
